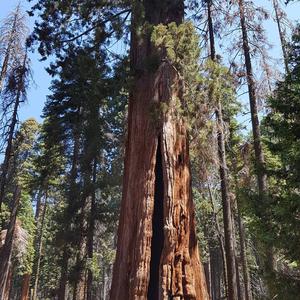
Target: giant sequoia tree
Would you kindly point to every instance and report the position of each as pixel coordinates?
(181, 111)
(157, 246)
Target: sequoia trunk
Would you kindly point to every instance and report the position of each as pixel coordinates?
(25, 287)
(157, 246)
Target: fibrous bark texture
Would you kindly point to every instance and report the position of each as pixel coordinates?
(157, 255)
(25, 287)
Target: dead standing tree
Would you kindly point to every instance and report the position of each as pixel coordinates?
(14, 94)
(14, 75)
(13, 31)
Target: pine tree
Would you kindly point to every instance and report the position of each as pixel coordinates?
(282, 131)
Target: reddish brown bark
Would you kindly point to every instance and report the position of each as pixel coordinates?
(157, 255)
(25, 287)
(8, 288)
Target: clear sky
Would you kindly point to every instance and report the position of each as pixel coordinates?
(39, 90)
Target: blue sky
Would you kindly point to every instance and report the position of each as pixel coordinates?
(39, 90)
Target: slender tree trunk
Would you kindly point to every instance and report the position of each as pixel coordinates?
(9, 282)
(103, 279)
(220, 238)
(90, 243)
(242, 240)
(247, 286)
(25, 287)
(259, 156)
(211, 31)
(38, 206)
(258, 151)
(61, 295)
(227, 210)
(281, 36)
(8, 289)
(214, 266)
(207, 271)
(157, 253)
(83, 284)
(4, 67)
(217, 271)
(239, 286)
(11, 131)
(6, 250)
(72, 198)
(39, 248)
(79, 292)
